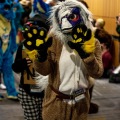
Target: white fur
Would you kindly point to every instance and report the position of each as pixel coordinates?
(41, 81)
(86, 14)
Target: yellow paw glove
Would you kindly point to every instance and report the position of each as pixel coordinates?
(83, 40)
(36, 40)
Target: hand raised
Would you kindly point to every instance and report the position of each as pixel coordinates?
(83, 40)
(36, 39)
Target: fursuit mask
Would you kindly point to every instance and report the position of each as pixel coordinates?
(72, 24)
(66, 15)
(6, 9)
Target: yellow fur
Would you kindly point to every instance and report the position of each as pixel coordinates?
(31, 54)
(39, 42)
(89, 46)
(4, 26)
(5, 29)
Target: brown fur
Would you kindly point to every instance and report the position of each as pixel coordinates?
(54, 108)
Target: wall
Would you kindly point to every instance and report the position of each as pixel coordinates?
(108, 10)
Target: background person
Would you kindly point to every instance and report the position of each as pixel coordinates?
(100, 23)
(106, 45)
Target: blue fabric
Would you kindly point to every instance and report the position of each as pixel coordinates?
(18, 15)
(45, 7)
(6, 10)
(6, 59)
(8, 75)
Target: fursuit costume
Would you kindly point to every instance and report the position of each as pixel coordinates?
(32, 84)
(7, 45)
(69, 58)
(18, 15)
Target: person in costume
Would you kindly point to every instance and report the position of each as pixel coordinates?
(18, 8)
(18, 14)
(8, 46)
(32, 84)
(68, 59)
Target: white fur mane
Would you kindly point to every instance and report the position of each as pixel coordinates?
(86, 15)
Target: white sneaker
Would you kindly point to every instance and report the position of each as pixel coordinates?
(2, 86)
